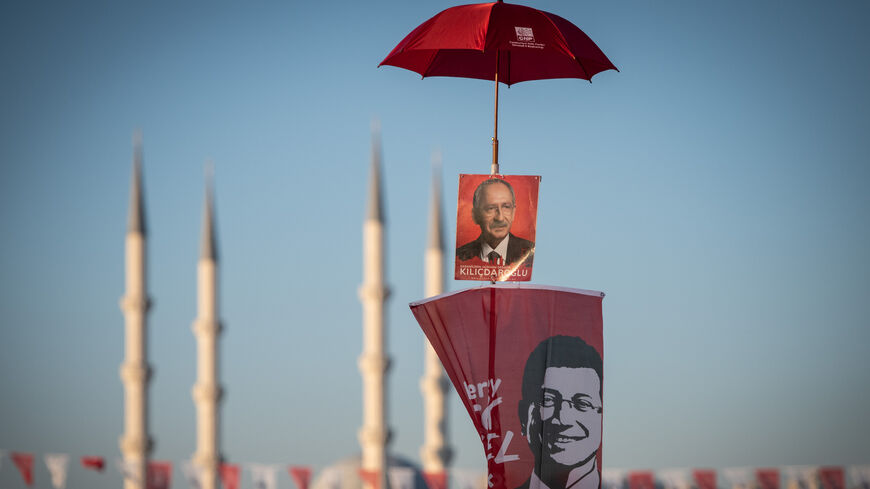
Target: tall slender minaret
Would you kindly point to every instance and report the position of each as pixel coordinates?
(435, 452)
(207, 391)
(374, 436)
(135, 372)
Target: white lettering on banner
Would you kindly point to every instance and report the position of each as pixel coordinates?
(485, 403)
(475, 272)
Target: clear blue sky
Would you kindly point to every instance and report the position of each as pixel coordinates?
(716, 189)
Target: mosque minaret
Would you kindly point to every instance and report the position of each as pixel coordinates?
(435, 454)
(135, 443)
(374, 436)
(207, 391)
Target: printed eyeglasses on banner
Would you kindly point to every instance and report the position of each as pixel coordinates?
(579, 403)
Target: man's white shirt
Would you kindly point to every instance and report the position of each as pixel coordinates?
(501, 249)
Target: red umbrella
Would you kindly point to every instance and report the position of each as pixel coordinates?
(499, 41)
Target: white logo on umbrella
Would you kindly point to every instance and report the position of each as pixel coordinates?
(525, 34)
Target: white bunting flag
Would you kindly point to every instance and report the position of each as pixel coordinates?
(264, 476)
(674, 478)
(57, 464)
(468, 479)
(613, 479)
(401, 477)
(859, 476)
(739, 477)
(128, 471)
(331, 478)
(801, 477)
(192, 473)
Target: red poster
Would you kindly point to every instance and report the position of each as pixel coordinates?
(495, 227)
(230, 475)
(301, 476)
(527, 363)
(159, 475)
(704, 478)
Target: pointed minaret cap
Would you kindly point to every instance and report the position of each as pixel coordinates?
(136, 213)
(436, 235)
(375, 210)
(208, 245)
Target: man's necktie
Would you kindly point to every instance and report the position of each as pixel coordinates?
(493, 257)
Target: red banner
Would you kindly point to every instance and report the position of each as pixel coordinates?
(93, 463)
(24, 462)
(641, 479)
(159, 475)
(495, 227)
(301, 475)
(767, 478)
(832, 478)
(527, 363)
(230, 476)
(704, 479)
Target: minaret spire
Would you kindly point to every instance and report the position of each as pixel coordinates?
(436, 226)
(207, 392)
(208, 245)
(135, 443)
(435, 452)
(374, 436)
(136, 212)
(375, 207)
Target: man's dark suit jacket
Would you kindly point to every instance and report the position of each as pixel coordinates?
(517, 247)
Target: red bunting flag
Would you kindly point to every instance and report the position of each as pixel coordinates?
(527, 363)
(767, 478)
(301, 475)
(641, 479)
(24, 462)
(369, 478)
(704, 478)
(832, 477)
(436, 480)
(93, 463)
(230, 476)
(159, 475)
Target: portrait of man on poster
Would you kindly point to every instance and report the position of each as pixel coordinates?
(493, 210)
(561, 412)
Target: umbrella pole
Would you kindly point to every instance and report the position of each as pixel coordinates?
(494, 168)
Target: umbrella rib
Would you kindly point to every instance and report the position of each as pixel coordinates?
(508, 68)
(561, 36)
(429, 64)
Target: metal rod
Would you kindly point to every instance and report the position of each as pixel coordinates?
(494, 169)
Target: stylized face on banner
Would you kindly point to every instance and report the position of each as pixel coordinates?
(527, 364)
(565, 425)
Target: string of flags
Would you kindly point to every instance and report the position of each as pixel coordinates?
(264, 476)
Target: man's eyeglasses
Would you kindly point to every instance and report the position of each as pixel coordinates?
(489, 210)
(579, 403)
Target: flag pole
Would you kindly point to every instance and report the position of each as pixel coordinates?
(494, 169)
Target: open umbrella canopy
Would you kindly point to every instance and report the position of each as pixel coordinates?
(469, 41)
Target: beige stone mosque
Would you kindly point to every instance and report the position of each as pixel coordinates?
(384, 471)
